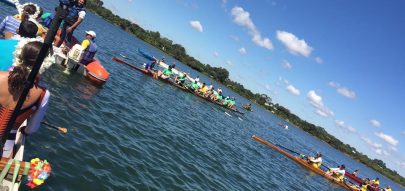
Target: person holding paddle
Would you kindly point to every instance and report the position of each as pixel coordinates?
(316, 161)
(339, 173)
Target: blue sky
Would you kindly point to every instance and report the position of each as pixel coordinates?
(337, 64)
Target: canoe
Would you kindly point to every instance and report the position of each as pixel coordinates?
(147, 72)
(146, 55)
(14, 148)
(353, 177)
(307, 165)
(171, 82)
(247, 107)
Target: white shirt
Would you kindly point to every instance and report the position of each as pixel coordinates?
(316, 160)
(338, 171)
(82, 14)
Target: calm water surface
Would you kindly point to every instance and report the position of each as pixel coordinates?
(136, 133)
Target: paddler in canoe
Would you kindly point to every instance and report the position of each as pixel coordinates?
(229, 102)
(194, 85)
(209, 92)
(181, 79)
(338, 173)
(202, 90)
(217, 95)
(165, 74)
(315, 161)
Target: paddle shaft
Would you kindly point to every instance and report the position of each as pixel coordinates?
(61, 129)
(295, 152)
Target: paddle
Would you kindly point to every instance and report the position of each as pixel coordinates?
(60, 129)
(295, 152)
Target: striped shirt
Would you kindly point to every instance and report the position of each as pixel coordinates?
(9, 24)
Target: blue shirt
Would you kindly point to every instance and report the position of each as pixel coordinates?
(9, 24)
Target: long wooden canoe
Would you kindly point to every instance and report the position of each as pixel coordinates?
(307, 165)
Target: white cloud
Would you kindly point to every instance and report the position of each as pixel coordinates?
(130, 1)
(351, 129)
(216, 54)
(286, 65)
(293, 90)
(392, 148)
(316, 101)
(371, 143)
(242, 51)
(196, 25)
(229, 62)
(293, 44)
(242, 18)
(318, 60)
(375, 123)
(342, 125)
(378, 151)
(387, 138)
(344, 91)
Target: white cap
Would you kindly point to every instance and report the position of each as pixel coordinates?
(92, 33)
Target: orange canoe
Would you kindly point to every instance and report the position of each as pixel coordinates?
(305, 164)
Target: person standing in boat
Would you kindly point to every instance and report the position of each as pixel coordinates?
(11, 86)
(151, 65)
(315, 161)
(74, 17)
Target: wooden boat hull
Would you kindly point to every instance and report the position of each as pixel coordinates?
(307, 165)
(18, 149)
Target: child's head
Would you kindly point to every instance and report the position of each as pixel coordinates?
(28, 29)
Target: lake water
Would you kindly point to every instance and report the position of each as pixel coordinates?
(137, 133)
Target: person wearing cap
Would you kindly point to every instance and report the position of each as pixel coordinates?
(339, 173)
(315, 161)
(90, 48)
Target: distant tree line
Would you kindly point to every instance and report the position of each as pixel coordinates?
(221, 75)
